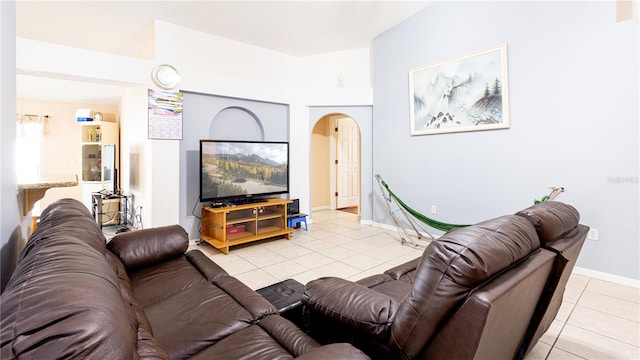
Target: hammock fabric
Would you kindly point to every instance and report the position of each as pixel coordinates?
(439, 225)
(412, 216)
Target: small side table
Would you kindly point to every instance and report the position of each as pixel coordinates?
(296, 221)
(121, 214)
(286, 296)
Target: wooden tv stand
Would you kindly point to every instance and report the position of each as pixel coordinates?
(223, 227)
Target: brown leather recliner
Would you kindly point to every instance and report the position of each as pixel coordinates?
(482, 291)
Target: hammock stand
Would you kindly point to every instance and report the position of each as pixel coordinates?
(415, 219)
(412, 216)
(555, 192)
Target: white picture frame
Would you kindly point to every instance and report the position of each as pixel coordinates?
(463, 93)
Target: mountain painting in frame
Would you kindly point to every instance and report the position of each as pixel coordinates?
(464, 93)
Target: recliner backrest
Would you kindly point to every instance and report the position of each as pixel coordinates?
(559, 230)
(552, 219)
(450, 269)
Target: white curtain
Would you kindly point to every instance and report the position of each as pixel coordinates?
(31, 130)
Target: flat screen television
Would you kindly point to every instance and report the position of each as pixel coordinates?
(242, 171)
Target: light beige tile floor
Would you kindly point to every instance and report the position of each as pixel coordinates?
(597, 320)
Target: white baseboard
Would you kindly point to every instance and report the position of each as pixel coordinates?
(617, 279)
(383, 226)
(318, 208)
(393, 228)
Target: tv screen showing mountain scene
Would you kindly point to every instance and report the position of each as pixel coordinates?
(242, 169)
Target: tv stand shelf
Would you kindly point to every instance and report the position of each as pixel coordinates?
(223, 227)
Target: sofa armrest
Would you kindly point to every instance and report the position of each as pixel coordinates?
(374, 280)
(137, 249)
(335, 352)
(350, 304)
(209, 269)
(255, 304)
(301, 346)
(398, 271)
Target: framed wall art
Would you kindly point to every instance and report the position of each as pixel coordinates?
(463, 93)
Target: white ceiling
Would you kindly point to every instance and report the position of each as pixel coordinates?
(298, 28)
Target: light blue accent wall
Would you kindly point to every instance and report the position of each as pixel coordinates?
(221, 118)
(573, 95)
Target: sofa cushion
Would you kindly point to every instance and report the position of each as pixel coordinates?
(552, 219)
(138, 249)
(396, 289)
(250, 343)
(450, 268)
(276, 338)
(386, 284)
(156, 283)
(187, 322)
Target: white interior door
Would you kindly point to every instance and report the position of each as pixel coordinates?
(348, 163)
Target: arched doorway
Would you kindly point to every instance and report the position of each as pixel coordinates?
(336, 164)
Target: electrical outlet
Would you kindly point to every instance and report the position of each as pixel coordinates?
(593, 234)
(434, 209)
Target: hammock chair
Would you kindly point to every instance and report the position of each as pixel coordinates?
(412, 216)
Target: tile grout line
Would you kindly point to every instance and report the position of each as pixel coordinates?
(564, 324)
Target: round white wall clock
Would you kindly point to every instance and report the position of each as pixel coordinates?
(165, 76)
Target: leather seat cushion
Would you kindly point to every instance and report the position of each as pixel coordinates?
(153, 284)
(271, 338)
(396, 289)
(198, 316)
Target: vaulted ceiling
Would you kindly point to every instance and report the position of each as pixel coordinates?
(297, 28)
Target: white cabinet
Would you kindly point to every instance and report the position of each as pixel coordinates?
(100, 155)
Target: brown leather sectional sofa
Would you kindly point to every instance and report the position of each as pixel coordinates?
(139, 297)
(488, 291)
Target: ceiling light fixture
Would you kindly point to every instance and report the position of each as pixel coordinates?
(165, 76)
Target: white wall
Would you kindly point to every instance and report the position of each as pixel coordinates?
(573, 78)
(349, 68)
(231, 61)
(213, 65)
(135, 152)
(11, 229)
(65, 62)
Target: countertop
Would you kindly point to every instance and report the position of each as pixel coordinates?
(34, 189)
